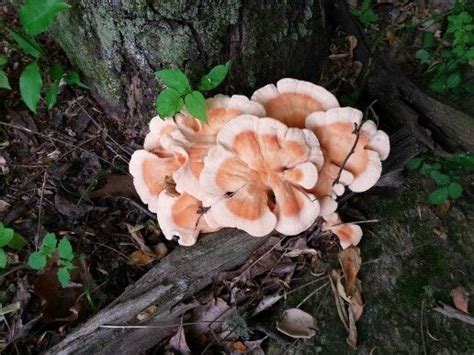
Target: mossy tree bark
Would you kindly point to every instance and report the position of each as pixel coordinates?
(118, 44)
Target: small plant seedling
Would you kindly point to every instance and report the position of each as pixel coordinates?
(366, 14)
(449, 60)
(179, 92)
(447, 189)
(35, 18)
(9, 238)
(39, 259)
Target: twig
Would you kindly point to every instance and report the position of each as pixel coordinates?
(423, 343)
(45, 136)
(451, 312)
(356, 131)
(40, 209)
(312, 294)
(156, 326)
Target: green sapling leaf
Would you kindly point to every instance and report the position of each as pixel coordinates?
(454, 190)
(37, 261)
(175, 79)
(437, 197)
(196, 105)
(215, 77)
(168, 103)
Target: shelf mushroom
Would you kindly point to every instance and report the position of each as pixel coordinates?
(256, 175)
(292, 100)
(351, 147)
(175, 148)
(348, 233)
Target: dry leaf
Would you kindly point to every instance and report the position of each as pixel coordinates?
(267, 302)
(352, 337)
(210, 316)
(297, 324)
(147, 312)
(160, 250)
(238, 347)
(116, 185)
(335, 280)
(178, 343)
(460, 299)
(137, 237)
(141, 258)
(170, 186)
(442, 210)
(350, 261)
(63, 304)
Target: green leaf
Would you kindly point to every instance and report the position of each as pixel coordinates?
(436, 166)
(28, 44)
(74, 79)
(3, 60)
(196, 105)
(428, 40)
(65, 249)
(426, 168)
(64, 277)
(414, 163)
(454, 80)
(3, 259)
(37, 261)
(17, 242)
(175, 79)
(454, 190)
(30, 85)
(36, 15)
(423, 56)
(463, 160)
(168, 103)
(52, 94)
(215, 77)
(438, 196)
(440, 178)
(56, 71)
(49, 243)
(438, 84)
(6, 235)
(4, 83)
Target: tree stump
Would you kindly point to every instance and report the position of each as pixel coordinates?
(118, 44)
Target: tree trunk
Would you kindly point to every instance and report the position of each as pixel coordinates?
(118, 44)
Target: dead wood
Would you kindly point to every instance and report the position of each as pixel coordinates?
(454, 313)
(401, 101)
(168, 285)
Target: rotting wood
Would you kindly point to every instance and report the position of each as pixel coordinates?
(168, 285)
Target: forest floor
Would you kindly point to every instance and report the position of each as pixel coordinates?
(413, 255)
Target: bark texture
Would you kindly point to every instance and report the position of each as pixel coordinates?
(118, 44)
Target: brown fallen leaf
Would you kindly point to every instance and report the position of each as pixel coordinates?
(141, 258)
(116, 185)
(178, 343)
(460, 299)
(297, 324)
(147, 312)
(350, 262)
(442, 210)
(160, 250)
(63, 304)
(238, 347)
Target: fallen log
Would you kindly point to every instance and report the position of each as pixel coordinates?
(167, 286)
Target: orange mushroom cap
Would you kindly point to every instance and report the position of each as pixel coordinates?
(255, 176)
(183, 216)
(149, 171)
(292, 100)
(348, 233)
(336, 132)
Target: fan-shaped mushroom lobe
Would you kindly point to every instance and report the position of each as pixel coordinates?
(255, 176)
(291, 100)
(349, 144)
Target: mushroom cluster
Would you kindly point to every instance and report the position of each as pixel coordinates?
(277, 161)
